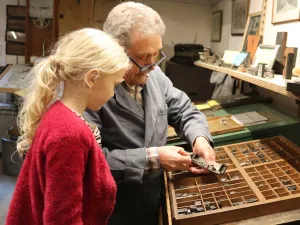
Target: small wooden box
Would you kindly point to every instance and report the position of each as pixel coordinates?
(262, 178)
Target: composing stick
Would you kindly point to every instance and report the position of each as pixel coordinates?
(216, 168)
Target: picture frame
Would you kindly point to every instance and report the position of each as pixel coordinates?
(285, 11)
(16, 11)
(240, 10)
(216, 28)
(16, 24)
(13, 48)
(15, 36)
(252, 28)
(266, 54)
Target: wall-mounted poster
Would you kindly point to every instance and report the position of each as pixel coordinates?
(216, 26)
(15, 11)
(285, 11)
(239, 16)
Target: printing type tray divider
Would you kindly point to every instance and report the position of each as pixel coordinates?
(262, 178)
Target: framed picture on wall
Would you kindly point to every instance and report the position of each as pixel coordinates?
(13, 48)
(240, 10)
(285, 11)
(15, 30)
(216, 26)
(15, 24)
(15, 11)
(252, 28)
(15, 36)
(266, 54)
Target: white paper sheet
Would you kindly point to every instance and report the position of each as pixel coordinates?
(16, 77)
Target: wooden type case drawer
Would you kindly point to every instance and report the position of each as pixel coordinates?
(262, 178)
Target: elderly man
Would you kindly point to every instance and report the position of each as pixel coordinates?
(134, 122)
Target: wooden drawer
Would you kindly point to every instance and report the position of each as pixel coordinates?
(262, 178)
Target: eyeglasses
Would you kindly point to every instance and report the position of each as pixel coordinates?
(148, 67)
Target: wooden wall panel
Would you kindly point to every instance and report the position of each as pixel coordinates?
(101, 8)
(73, 15)
(35, 37)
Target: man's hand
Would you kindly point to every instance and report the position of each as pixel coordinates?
(173, 158)
(203, 149)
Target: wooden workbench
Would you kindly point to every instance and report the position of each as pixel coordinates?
(279, 124)
(262, 179)
(271, 219)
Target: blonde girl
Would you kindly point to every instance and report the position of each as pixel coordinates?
(65, 178)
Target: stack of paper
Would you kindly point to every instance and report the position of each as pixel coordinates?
(249, 118)
(202, 106)
(209, 104)
(16, 77)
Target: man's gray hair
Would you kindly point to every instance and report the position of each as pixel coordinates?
(129, 16)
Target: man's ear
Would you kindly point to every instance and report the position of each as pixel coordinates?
(91, 77)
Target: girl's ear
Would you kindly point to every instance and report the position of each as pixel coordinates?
(91, 77)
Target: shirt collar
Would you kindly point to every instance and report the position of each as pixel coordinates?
(133, 88)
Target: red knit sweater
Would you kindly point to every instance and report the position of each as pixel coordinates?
(65, 179)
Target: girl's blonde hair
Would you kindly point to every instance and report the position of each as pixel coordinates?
(72, 57)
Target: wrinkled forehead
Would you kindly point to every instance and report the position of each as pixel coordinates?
(145, 44)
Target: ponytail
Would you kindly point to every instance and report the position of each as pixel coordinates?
(42, 93)
(72, 57)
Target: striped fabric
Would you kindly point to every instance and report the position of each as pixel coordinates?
(93, 128)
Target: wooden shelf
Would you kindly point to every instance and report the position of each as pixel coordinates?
(277, 84)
